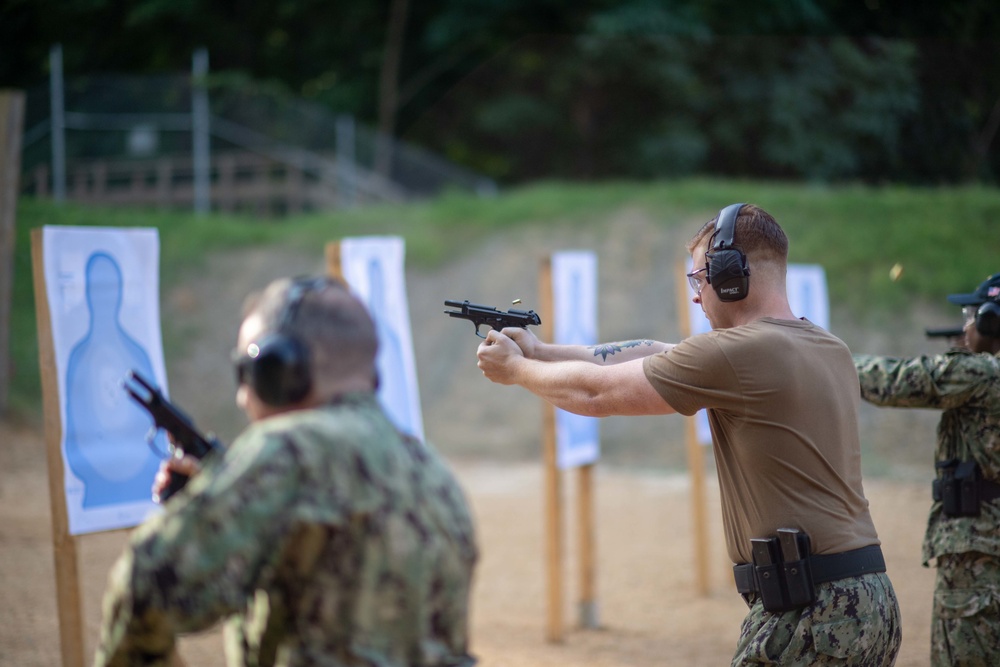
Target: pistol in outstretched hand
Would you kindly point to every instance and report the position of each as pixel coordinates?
(183, 434)
(492, 317)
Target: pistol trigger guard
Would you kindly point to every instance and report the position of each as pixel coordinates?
(479, 334)
(151, 442)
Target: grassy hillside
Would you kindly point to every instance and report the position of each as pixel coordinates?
(945, 239)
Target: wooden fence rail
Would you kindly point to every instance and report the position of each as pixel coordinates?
(240, 182)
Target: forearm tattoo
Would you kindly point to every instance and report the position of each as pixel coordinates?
(606, 349)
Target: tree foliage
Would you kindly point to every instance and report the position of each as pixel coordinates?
(524, 89)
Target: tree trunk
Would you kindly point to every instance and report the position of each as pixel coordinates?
(389, 85)
(11, 128)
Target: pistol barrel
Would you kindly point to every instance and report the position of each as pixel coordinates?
(944, 332)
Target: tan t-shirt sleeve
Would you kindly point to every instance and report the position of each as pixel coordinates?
(694, 374)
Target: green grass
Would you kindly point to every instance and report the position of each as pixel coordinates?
(946, 239)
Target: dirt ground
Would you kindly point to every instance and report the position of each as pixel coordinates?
(648, 606)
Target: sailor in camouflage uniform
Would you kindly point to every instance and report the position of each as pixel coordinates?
(963, 531)
(321, 535)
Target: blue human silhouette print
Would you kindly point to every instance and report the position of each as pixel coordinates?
(105, 441)
(393, 391)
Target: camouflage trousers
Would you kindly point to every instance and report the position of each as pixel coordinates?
(965, 625)
(854, 621)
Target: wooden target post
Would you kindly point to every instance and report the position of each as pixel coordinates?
(554, 543)
(553, 480)
(334, 268)
(695, 458)
(68, 599)
(588, 616)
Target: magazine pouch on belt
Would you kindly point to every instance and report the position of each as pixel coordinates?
(795, 548)
(767, 570)
(782, 571)
(957, 487)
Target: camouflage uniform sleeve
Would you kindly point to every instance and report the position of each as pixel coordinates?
(941, 381)
(198, 560)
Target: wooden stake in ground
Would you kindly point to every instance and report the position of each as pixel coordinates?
(334, 268)
(696, 459)
(63, 544)
(586, 541)
(588, 617)
(553, 487)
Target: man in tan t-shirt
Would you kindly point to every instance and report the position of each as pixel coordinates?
(782, 401)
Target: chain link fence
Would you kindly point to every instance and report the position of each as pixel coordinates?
(133, 140)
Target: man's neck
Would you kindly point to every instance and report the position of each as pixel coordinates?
(775, 308)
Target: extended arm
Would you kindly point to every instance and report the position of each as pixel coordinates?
(569, 382)
(940, 381)
(604, 354)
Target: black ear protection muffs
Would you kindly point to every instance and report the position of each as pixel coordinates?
(988, 319)
(278, 364)
(728, 273)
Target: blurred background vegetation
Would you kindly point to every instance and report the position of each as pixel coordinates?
(821, 91)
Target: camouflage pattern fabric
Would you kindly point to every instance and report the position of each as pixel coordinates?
(854, 621)
(966, 621)
(323, 538)
(966, 386)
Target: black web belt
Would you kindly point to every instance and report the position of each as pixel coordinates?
(826, 567)
(988, 491)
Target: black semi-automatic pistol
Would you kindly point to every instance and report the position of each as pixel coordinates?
(184, 436)
(945, 332)
(492, 317)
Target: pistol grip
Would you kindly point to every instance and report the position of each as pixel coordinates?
(177, 482)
